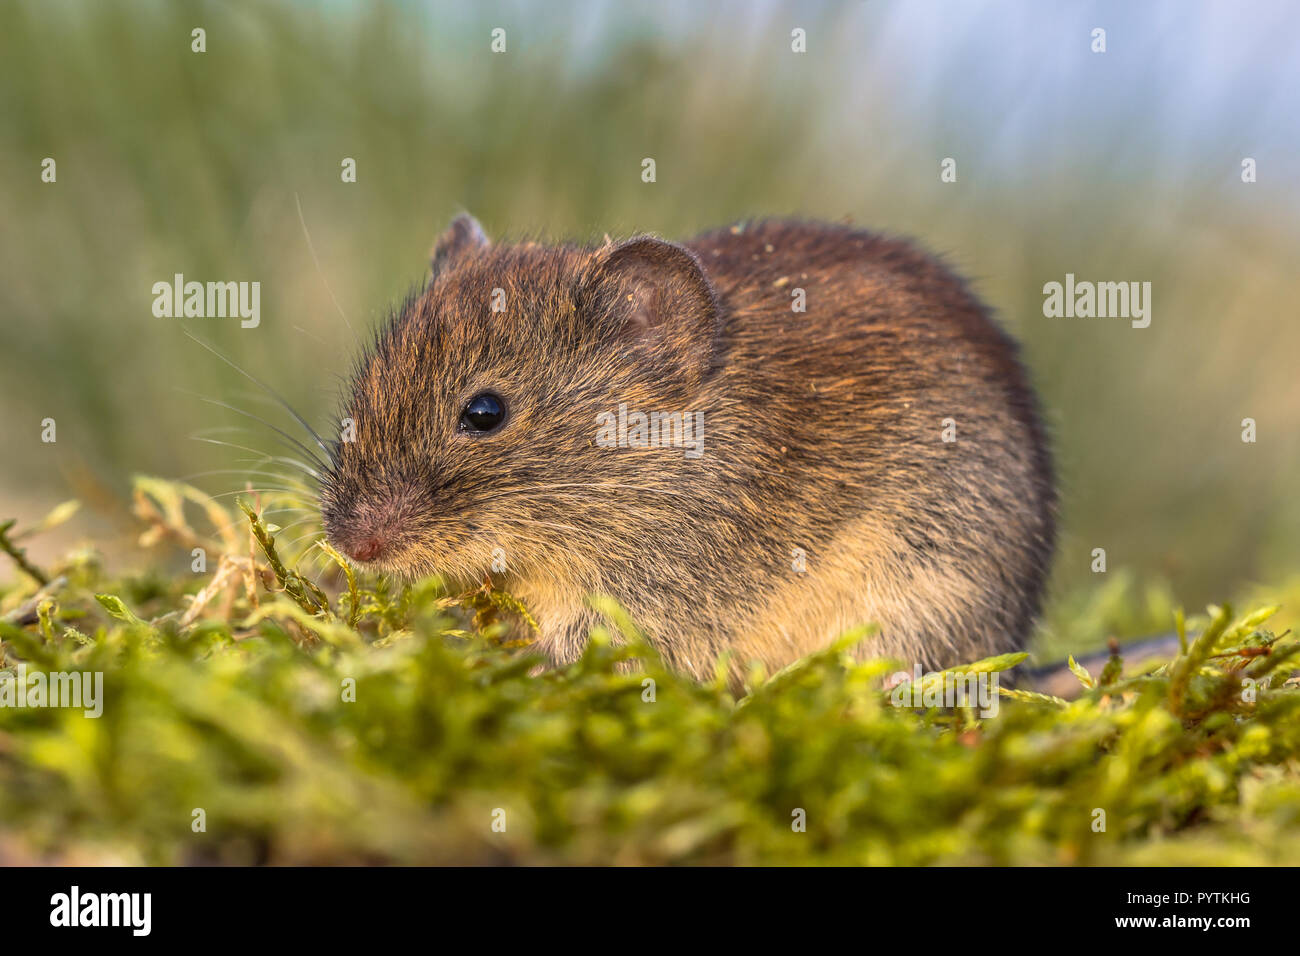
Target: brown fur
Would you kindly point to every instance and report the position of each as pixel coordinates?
(822, 432)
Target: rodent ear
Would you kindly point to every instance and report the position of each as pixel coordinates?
(462, 236)
(656, 291)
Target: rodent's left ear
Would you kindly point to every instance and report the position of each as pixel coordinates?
(463, 235)
(654, 291)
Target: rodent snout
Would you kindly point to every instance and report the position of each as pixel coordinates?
(366, 533)
(367, 548)
(359, 542)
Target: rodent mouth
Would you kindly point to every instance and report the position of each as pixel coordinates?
(399, 560)
(392, 556)
(391, 534)
(373, 553)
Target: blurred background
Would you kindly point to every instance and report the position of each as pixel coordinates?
(225, 165)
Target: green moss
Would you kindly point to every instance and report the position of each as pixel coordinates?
(240, 710)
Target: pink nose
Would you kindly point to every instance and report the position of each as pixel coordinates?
(366, 549)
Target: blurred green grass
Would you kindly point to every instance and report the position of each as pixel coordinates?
(172, 162)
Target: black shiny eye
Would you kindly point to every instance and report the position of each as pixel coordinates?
(483, 413)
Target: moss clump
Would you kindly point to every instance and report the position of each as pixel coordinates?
(394, 725)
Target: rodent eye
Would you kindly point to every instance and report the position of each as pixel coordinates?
(483, 413)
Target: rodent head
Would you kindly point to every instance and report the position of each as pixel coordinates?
(471, 424)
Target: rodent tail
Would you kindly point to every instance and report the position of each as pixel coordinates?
(1057, 679)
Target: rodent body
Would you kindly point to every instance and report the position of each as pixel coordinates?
(875, 458)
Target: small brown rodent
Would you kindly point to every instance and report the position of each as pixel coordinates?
(877, 457)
